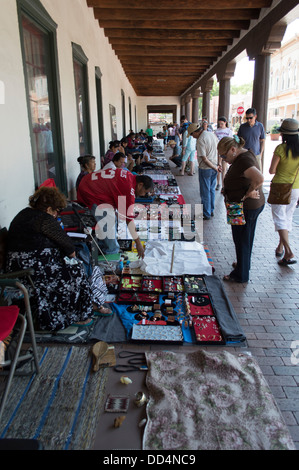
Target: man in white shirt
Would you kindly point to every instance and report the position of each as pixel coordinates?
(118, 161)
(207, 156)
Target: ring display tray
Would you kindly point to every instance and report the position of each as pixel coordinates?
(137, 297)
(199, 304)
(157, 334)
(173, 284)
(207, 330)
(152, 284)
(194, 283)
(131, 282)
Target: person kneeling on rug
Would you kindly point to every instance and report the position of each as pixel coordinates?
(63, 294)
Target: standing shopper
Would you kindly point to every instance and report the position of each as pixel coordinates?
(285, 167)
(242, 182)
(208, 167)
(253, 132)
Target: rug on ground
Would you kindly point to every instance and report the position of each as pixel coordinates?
(211, 401)
(60, 406)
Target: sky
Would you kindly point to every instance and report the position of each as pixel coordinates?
(245, 68)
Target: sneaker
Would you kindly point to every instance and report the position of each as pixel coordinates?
(217, 187)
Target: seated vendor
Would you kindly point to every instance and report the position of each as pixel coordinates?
(110, 190)
(118, 161)
(147, 159)
(134, 147)
(63, 293)
(113, 149)
(176, 156)
(87, 165)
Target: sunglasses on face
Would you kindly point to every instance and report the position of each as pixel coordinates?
(249, 117)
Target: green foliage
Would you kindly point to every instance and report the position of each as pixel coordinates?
(274, 129)
(243, 89)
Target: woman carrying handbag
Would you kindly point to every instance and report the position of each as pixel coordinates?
(244, 199)
(285, 167)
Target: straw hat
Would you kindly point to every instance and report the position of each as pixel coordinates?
(289, 126)
(192, 128)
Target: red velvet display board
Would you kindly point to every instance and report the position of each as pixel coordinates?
(200, 305)
(138, 297)
(207, 330)
(152, 284)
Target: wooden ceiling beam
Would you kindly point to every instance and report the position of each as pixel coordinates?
(180, 24)
(194, 52)
(164, 61)
(157, 69)
(159, 33)
(124, 14)
(205, 51)
(168, 42)
(155, 75)
(179, 4)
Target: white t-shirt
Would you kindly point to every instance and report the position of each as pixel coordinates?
(226, 132)
(109, 165)
(207, 147)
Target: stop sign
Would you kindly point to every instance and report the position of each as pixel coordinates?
(240, 110)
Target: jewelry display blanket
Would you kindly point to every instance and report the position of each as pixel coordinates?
(118, 327)
(225, 330)
(210, 401)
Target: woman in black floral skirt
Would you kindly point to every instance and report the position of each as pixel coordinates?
(63, 294)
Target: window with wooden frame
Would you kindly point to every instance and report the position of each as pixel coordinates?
(39, 50)
(82, 99)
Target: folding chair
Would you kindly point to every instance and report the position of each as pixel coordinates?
(14, 274)
(8, 319)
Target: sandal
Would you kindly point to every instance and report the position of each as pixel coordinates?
(229, 278)
(102, 311)
(286, 262)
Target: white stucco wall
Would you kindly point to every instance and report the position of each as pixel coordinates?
(76, 24)
(16, 173)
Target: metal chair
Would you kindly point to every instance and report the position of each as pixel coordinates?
(15, 274)
(9, 316)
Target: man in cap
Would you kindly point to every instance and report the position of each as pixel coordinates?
(207, 156)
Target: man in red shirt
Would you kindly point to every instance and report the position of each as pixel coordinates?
(105, 191)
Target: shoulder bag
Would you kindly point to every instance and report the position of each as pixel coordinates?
(235, 213)
(280, 193)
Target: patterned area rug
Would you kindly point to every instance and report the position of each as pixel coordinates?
(211, 401)
(60, 406)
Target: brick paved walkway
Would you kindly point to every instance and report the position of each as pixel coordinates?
(268, 306)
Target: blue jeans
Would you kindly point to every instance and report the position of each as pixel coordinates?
(207, 185)
(243, 236)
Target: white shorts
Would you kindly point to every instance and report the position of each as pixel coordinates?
(283, 214)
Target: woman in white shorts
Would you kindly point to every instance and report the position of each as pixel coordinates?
(284, 166)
